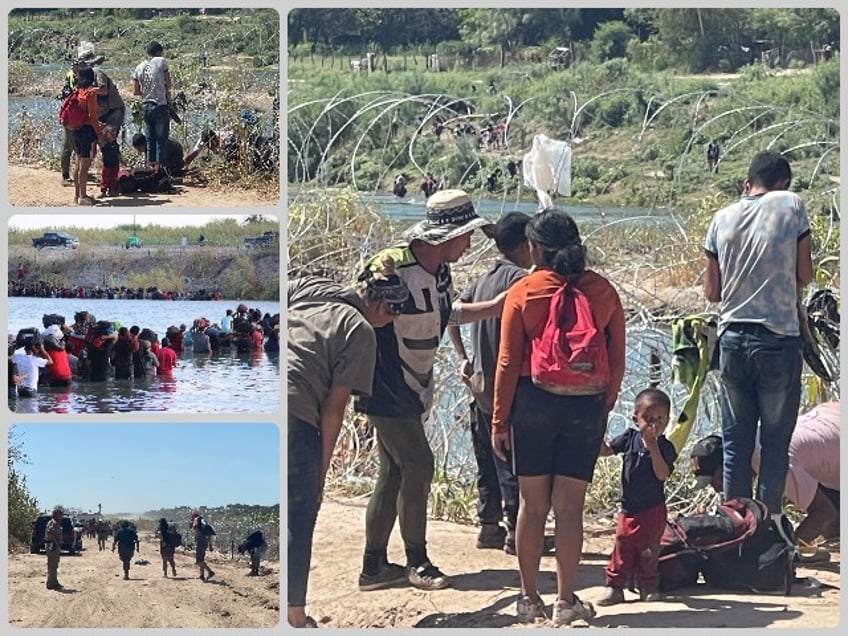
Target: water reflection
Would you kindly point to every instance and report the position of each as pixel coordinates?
(221, 382)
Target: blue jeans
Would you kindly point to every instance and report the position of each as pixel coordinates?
(497, 487)
(761, 382)
(157, 127)
(304, 484)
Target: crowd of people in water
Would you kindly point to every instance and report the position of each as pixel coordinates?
(95, 350)
(43, 289)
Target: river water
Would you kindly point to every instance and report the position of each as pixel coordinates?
(223, 382)
(411, 209)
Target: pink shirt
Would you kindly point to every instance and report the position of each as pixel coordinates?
(813, 454)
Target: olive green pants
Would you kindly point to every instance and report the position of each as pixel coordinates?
(403, 485)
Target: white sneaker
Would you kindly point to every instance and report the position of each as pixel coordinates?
(528, 609)
(566, 613)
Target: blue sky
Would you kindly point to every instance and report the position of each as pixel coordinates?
(140, 467)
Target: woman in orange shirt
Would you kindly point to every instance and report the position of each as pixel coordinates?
(87, 134)
(554, 439)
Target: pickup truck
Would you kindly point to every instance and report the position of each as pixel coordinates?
(266, 240)
(55, 239)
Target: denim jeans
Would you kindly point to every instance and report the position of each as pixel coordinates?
(761, 383)
(157, 122)
(304, 488)
(497, 487)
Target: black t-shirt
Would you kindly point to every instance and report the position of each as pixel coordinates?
(174, 157)
(485, 334)
(111, 153)
(640, 488)
(13, 370)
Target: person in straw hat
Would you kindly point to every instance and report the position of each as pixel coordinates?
(403, 387)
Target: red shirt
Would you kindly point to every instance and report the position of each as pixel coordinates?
(167, 360)
(256, 339)
(61, 368)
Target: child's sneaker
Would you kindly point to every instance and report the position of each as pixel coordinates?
(649, 595)
(390, 574)
(428, 577)
(529, 609)
(565, 612)
(612, 596)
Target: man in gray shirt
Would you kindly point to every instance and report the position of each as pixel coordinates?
(757, 262)
(152, 81)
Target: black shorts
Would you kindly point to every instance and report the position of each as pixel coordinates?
(831, 494)
(83, 138)
(555, 434)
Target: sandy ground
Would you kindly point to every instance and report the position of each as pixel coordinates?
(486, 585)
(96, 595)
(37, 187)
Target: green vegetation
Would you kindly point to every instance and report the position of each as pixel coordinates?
(23, 507)
(218, 233)
(222, 263)
(251, 36)
(224, 62)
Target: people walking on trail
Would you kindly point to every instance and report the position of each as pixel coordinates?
(255, 546)
(126, 540)
(203, 533)
(169, 540)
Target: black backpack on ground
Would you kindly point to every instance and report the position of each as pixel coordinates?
(738, 547)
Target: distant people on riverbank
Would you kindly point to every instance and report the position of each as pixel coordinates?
(42, 289)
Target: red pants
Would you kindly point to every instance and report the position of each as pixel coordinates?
(108, 178)
(637, 549)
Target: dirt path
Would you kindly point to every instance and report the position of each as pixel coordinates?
(96, 595)
(486, 584)
(38, 187)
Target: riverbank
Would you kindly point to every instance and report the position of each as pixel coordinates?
(36, 186)
(486, 586)
(235, 272)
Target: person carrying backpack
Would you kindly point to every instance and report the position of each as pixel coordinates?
(647, 461)
(78, 113)
(203, 533)
(256, 547)
(126, 540)
(169, 541)
(554, 431)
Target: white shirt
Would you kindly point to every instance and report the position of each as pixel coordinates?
(28, 367)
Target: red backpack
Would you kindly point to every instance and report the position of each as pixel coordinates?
(568, 354)
(72, 113)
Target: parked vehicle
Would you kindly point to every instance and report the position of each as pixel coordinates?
(55, 239)
(266, 240)
(71, 535)
(133, 241)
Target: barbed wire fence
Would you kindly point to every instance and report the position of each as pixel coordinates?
(656, 269)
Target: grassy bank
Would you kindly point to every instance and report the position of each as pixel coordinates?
(222, 264)
(638, 138)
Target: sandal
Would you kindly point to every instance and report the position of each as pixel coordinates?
(86, 200)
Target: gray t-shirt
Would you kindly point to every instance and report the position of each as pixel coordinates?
(151, 78)
(755, 241)
(330, 344)
(485, 334)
